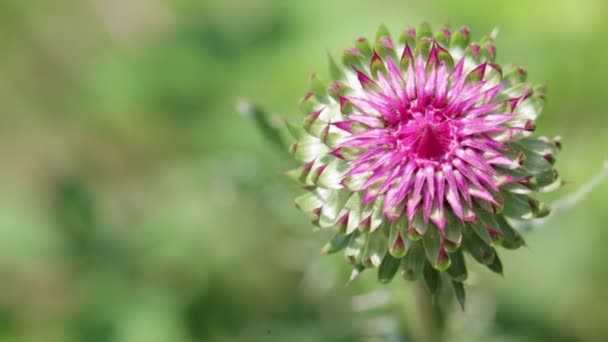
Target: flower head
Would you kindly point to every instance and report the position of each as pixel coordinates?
(421, 149)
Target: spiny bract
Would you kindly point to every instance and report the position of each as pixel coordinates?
(420, 150)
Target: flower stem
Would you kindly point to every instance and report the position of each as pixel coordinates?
(428, 319)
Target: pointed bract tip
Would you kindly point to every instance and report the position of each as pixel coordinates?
(354, 274)
(354, 51)
(307, 96)
(411, 32)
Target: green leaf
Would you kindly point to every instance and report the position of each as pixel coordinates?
(460, 38)
(431, 278)
(432, 242)
(319, 89)
(530, 108)
(352, 58)
(336, 72)
(517, 206)
(514, 75)
(355, 182)
(377, 217)
(492, 235)
(413, 234)
(516, 188)
(338, 89)
(419, 224)
(375, 249)
(333, 207)
(397, 242)
(424, 30)
(364, 47)
(377, 65)
(481, 231)
(488, 51)
(541, 145)
(478, 249)
(313, 124)
(534, 163)
(355, 211)
(496, 265)
(333, 173)
(308, 148)
(493, 74)
(388, 268)
(295, 131)
(407, 58)
(308, 104)
(357, 270)
(505, 228)
(545, 181)
(406, 39)
(539, 209)
(441, 37)
(396, 210)
(413, 262)
(435, 252)
(382, 49)
(398, 245)
(477, 74)
(423, 48)
(453, 231)
(488, 219)
(354, 252)
(382, 32)
(337, 243)
(301, 173)
(312, 199)
(460, 293)
(458, 268)
(446, 57)
(512, 239)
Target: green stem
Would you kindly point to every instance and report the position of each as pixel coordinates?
(427, 316)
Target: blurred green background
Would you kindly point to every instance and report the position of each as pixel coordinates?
(136, 205)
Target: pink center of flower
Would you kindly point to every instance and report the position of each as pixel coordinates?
(430, 142)
(429, 137)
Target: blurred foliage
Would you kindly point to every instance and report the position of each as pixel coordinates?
(136, 205)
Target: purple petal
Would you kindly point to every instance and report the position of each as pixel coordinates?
(420, 77)
(397, 80)
(410, 82)
(462, 187)
(428, 193)
(474, 159)
(452, 193)
(396, 195)
(368, 120)
(414, 200)
(441, 84)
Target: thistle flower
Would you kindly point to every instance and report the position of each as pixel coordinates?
(421, 150)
